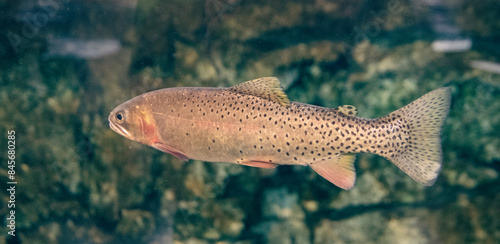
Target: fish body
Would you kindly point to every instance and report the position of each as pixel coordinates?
(255, 124)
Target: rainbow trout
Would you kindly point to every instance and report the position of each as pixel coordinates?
(255, 124)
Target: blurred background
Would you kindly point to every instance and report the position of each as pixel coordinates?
(64, 65)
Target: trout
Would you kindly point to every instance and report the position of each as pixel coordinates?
(255, 124)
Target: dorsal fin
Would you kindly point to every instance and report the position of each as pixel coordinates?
(348, 110)
(265, 87)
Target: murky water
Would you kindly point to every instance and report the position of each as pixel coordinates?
(69, 178)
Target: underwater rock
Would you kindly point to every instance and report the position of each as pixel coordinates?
(226, 219)
(281, 204)
(478, 17)
(365, 228)
(315, 52)
(285, 216)
(290, 231)
(136, 225)
(367, 191)
(375, 228)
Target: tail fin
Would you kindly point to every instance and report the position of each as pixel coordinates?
(421, 157)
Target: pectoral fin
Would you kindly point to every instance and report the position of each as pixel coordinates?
(259, 164)
(339, 171)
(165, 148)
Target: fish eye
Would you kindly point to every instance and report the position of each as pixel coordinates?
(119, 117)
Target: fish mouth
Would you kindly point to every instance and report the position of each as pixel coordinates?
(119, 129)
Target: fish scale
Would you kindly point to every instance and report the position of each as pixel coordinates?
(255, 124)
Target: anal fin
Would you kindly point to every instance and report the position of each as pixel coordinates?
(339, 171)
(165, 148)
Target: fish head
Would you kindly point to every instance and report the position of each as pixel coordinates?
(134, 120)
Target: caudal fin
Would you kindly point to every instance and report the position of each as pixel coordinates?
(421, 156)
